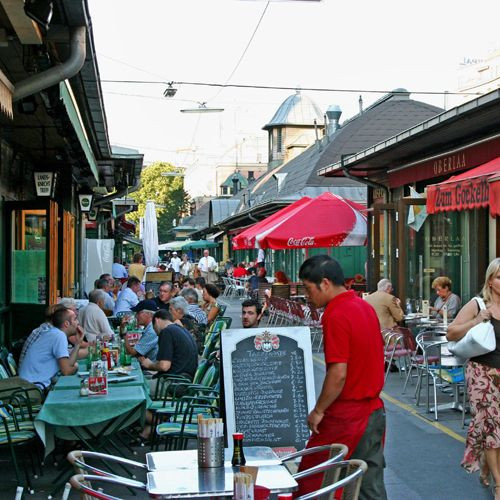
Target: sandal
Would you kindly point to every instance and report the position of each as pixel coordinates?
(484, 479)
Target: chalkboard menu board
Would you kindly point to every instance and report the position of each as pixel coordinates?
(268, 385)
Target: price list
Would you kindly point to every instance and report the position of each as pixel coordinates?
(270, 395)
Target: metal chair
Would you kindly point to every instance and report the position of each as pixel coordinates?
(350, 484)
(336, 452)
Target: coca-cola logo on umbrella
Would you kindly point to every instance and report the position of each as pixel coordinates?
(306, 241)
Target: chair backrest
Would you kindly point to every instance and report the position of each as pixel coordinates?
(222, 310)
(352, 471)
(408, 338)
(282, 291)
(203, 366)
(261, 293)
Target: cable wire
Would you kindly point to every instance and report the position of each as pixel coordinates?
(276, 87)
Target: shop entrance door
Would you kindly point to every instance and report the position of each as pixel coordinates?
(383, 251)
(32, 262)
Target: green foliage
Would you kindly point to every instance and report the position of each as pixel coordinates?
(165, 191)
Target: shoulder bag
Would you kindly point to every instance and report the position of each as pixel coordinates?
(479, 340)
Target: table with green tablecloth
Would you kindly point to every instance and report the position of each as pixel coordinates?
(67, 415)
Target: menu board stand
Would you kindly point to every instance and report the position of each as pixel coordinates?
(268, 385)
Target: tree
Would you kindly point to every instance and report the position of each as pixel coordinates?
(168, 194)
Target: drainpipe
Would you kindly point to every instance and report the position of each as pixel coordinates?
(59, 73)
(363, 180)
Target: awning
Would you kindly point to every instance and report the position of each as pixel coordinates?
(466, 191)
(193, 245)
(134, 241)
(213, 237)
(173, 245)
(495, 196)
(76, 120)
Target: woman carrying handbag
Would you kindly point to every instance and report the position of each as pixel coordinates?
(482, 451)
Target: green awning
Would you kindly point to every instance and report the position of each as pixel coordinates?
(76, 120)
(199, 244)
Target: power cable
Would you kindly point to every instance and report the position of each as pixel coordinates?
(243, 54)
(276, 87)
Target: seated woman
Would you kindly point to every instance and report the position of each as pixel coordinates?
(210, 305)
(442, 287)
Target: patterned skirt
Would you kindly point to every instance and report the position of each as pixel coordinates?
(483, 387)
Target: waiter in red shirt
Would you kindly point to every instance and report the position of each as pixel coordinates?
(349, 409)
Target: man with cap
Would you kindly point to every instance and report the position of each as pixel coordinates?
(175, 263)
(147, 346)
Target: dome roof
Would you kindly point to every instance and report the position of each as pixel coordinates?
(297, 109)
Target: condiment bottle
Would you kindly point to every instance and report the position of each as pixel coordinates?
(238, 455)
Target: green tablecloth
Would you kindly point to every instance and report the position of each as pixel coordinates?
(74, 381)
(66, 408)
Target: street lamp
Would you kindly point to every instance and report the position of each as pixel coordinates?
(202, 108)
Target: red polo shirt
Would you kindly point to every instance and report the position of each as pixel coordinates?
(239, 272)
(351, 332)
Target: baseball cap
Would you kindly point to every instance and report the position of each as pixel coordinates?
(146, 305)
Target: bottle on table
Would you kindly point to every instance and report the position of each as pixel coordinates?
(238, 455)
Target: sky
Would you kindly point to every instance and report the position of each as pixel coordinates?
(356, 45)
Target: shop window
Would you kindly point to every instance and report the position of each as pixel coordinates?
(441, 248)
(29, 256)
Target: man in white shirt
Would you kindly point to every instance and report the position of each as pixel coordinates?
(128, 296)
(207, 267)
(175, 263)
(94, 322)
(118, 270)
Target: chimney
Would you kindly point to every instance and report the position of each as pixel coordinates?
(235, 180)
(360, 101)
(333, 113)
(250, 176)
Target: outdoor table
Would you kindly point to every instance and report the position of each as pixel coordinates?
(74, 381)
(93, 420)
(448, 360)
(176, 474)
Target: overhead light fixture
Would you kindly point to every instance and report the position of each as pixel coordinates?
(170, 91)
(202, 108)
(40, 11)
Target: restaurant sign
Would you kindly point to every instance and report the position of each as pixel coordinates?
(465, 195)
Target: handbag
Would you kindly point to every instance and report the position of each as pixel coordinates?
(479, 340)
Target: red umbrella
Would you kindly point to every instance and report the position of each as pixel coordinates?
(246, 239)
(326, 221)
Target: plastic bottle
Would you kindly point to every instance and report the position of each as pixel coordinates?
(238, 455)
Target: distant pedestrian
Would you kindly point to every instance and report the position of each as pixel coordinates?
(207, 267)
(349, 409)
(137, 268)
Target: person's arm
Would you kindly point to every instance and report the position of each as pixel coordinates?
(68, 365)
(466, 319)
(156, 366)
(212, 314)
(332, 386)
(395, 309)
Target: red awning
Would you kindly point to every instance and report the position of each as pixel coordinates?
(495, 196)
(465, 191)
(326, 221)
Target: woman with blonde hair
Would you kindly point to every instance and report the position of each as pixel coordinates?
(482, 451)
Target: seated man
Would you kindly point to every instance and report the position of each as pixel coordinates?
(240, 271)
(251, 312)
(49, 354)
(164, 295)
(193, 309)
(177, 352)
(147, 346)
(200, 283)
(92, 318)
(127, 298)
(106, 284)
(387, 307)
